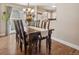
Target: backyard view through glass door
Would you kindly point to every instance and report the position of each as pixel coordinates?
(16, 14)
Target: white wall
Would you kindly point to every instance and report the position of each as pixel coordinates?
(54, 14)
(67, 23)
(2, 22)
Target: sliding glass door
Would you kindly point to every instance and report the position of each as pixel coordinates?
(16, 14)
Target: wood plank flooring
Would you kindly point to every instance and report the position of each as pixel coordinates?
(8, 46)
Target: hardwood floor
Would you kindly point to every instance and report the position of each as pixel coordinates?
(8, 46)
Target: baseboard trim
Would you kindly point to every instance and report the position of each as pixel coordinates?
(67, 43)
(3, 34)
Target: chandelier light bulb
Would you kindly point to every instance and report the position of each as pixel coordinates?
(29, 9)
(32, 10)
(24, 9)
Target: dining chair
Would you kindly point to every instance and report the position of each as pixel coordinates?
(18, 33)
(23, 36)
(45, 25)
(34, 37)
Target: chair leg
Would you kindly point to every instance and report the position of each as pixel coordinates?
(46, 46)
(50, 46)
(17, 39)
(40, 46)
(25, 48)
(21, 46)
(30, 48)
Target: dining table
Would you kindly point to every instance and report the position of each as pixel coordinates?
(32, 29)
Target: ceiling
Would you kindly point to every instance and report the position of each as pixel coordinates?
(46, 6)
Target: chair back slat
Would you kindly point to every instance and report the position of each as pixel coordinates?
(16, 26)
(23, 33)
(19, 28)
(45, 24)
(37, 23)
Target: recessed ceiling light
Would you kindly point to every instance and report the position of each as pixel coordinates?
(53, 6)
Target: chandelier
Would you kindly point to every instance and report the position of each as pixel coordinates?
(29, 13)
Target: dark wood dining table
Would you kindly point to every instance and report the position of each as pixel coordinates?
(32, 29)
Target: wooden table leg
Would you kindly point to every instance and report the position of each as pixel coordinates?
(30, 45)
(36, 47)
(48, 46)
(49, 42)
